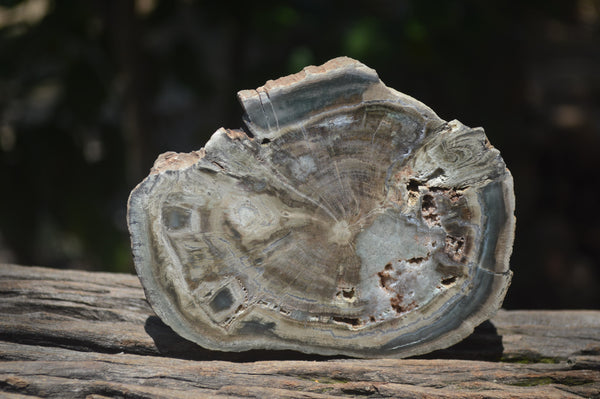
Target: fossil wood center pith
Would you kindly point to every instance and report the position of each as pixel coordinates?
(347, 219)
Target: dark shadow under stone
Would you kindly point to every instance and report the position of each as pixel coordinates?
(483, 344)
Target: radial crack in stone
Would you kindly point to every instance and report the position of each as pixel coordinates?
(349, 219)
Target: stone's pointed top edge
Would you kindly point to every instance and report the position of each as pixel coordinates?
(309, 73)
(176, 161)
(280, 103)
(316, 72)
(336, 63)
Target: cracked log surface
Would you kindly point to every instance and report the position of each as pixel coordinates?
(92, 335)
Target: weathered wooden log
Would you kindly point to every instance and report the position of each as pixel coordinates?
(91, 335)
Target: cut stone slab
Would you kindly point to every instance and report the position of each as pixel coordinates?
(347, 219)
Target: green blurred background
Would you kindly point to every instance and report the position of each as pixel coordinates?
(92, 91)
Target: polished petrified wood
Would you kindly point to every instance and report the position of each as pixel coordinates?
(348, 219)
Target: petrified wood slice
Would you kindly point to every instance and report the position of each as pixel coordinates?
(349, 219)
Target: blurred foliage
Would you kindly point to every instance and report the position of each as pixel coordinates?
(92, 91)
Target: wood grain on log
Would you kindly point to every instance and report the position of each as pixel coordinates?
(92, 335)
